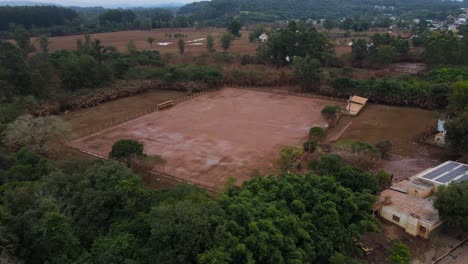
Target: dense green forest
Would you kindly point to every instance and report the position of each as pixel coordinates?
(273, 10)
(58, 21)
(35, 16)
(101, 212)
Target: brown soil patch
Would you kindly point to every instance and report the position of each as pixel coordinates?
(95, 117)
(139, 37)
(401, 125)
(211, 138)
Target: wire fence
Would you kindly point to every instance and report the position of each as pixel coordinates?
(274, 90)
(155, 176)
(121, 119)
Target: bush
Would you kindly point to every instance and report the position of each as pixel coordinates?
(288, 155)
(247, 59)
(316, 133)
(363, 147)
(358, 147)
(330, 112)
(224, 57)
(400, 254)
(327, 165)
(409, 91)
(125, 149)
(384, 147)
(189, 73)
(452, 204)
(310, 145)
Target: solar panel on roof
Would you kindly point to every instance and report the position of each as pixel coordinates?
(464, 178)
(437, 172)
(453, 174)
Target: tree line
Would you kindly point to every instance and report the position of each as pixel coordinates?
(215, 12)
(35, 16)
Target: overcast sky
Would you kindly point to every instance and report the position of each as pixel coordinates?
(107, 2)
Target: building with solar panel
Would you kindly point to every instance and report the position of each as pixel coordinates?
(445, 173)
(409, 203)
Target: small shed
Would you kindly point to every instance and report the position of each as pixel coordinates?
(355, 105)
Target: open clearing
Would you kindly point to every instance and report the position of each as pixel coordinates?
(228, 133)
(403, 126)
(120, 40)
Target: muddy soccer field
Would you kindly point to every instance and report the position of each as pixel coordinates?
(208, 139)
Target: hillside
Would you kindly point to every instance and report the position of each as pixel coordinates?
(273, 10)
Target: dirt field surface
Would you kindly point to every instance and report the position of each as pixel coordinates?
(229, 133)
(402, 126)
(162, 43)
(94, 118)
(195, 41)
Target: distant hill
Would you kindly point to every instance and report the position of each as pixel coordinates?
(273, 10)
(24, 3)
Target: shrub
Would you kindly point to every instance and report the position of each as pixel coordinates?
(316, 133)
(247, 59)
(330, 112)
(310, 145)
(384, 147)
(358, 147)
(327, 165)
(363, 147)
(288, 155)
(126, 149)
(224, 57)
(384, 180)
(400, 254)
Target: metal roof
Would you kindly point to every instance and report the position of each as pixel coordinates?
(445, 173)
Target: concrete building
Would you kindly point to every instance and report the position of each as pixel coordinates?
(409, 203)
(416, 215)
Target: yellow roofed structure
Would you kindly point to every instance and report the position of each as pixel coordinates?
(355, 105)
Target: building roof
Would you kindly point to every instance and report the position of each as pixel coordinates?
(410, 205)
(263, 35)
(445, 173)
(358, 100)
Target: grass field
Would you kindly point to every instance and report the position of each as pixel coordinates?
(229, 133)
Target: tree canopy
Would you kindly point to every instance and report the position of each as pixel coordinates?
(100, 211)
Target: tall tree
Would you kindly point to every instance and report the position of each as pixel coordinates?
(307, 71)
(44, 45)
(452, 204)
(210, 43)
(23, 40)
(150, 40)
(35, 132)
(235, 27)
(329, 24)
(226, 41)
(181, 46)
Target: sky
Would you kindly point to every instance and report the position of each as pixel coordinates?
(104, 3)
